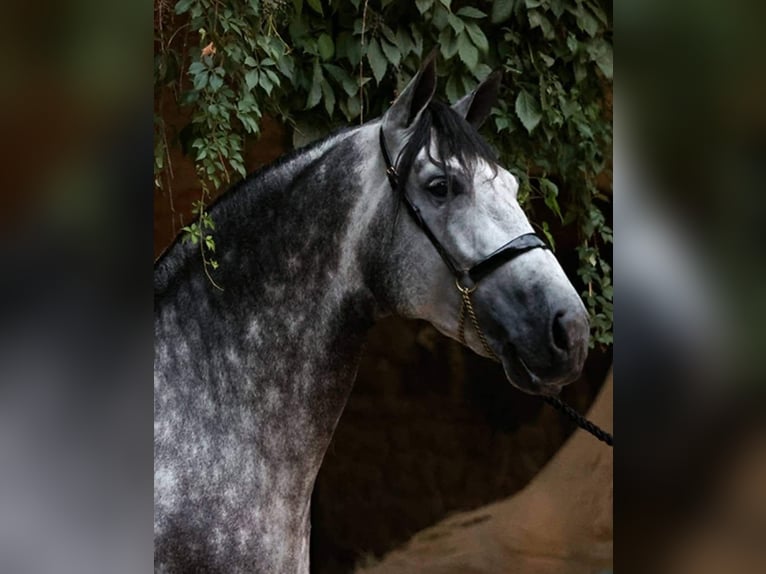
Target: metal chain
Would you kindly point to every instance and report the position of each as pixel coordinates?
(461, 321)
(465, 293)
(582, 422)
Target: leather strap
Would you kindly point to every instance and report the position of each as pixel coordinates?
(507, 252)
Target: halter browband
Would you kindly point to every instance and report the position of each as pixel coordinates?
(466, 278)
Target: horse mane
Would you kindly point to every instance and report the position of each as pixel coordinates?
(269, 175)
(456, 138)
(261, 182)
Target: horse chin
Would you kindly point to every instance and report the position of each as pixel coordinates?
(522, 377)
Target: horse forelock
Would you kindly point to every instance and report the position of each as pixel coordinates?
(442, 129)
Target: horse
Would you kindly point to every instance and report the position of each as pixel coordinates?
(407, 214)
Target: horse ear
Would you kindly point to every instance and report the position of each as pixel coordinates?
(414, 98)
(476, 106)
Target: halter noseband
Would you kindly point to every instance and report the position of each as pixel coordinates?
(466, 279)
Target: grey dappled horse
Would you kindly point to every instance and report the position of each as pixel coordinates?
(250, 381)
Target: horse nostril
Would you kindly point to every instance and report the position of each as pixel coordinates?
(559, 332)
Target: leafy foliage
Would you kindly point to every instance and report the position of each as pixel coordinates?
(317, 64)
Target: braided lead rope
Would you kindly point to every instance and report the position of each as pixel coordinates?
(581, 421)
(555, 402)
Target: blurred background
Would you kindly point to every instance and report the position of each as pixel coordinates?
(80, 232)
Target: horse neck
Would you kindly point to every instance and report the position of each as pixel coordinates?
(281, 342)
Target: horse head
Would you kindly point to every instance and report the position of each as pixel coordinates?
(462, 208)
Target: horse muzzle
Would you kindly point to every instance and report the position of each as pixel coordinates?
(541, 353)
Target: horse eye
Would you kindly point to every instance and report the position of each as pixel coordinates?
(438, 188)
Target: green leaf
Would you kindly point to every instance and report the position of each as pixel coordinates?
(285, 66)
(501, 11)
(600, 52)
(580, 71)
(557, 7)
(550, 195)
(470, 12)
(481, 72)
(446, 3)
(598, 11)
(586, 22)
(316, 5)
(548, 235)
(388, 34)
(417, 40)
(329, 98)
(216, 82)
(391, 52)
(467, 52)
(315, 93)
(423, 5)
(377, 60)
(439, 18)
(403, 41)
(200, 81)
(251, 79)
(456, 23)
(196, 67)
(477, 36)
(448, 43)
(353, 51)
(273, 77)
(343, 78)
(182, 6)
(249, 123)
(326, 47)
(265, 83)
(528, 110)
(572, 44)
(538, 20)
(547, 60)
(250, 61)
(354, 106)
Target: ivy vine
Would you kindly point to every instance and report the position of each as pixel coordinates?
(319, 64)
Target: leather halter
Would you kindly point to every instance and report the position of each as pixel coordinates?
(466, 278)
